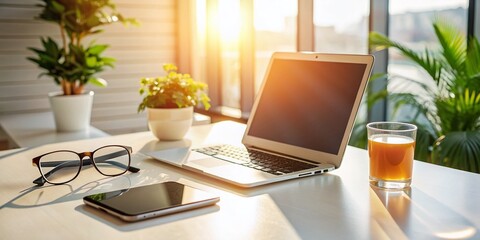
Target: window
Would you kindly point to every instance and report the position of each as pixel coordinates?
(234, 47)
(229, 28)
(274, 31)
(341, 26)
(235, 38)
(411, 24)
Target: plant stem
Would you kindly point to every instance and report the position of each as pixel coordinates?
(66, 87)
(77, 88)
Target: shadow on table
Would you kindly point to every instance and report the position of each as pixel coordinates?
(36, 196)
(53, 194)
(317, 207)
(419, 215)
(123, 226)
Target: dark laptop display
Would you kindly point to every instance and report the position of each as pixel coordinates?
(311, 100)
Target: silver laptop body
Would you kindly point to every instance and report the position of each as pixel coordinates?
(304, 111)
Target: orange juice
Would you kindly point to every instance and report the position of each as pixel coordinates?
(391, 157)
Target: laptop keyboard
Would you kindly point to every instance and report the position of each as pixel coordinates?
(262, 161)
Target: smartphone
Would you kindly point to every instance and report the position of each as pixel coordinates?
(150, 201)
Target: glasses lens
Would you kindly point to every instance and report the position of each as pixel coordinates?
(60, 166)
(112, 160)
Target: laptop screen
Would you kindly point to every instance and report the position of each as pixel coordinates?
(307, 103)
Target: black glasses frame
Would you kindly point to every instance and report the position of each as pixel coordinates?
(59, 164)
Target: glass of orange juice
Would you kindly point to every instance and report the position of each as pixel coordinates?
(391, 146)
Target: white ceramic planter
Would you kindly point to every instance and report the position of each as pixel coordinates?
(170, 123)
(72, 112)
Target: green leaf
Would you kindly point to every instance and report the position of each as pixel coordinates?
(374, 97)
(91, 62)
(472, 62)
(460, 150)
(378, 42)
(426, 60)
(359, 136)
(97, 49)
(175, 90)
(98, 82)
(96, 31)
(423, 142)
(108, 61)
(453, 45)
(37, 61)
(58, 7)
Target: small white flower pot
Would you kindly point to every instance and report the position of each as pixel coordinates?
(71, 112)
(170, 123)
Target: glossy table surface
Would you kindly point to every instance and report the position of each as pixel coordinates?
(442, 203)
(35, 129)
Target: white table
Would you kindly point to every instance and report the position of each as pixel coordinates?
(34, 129)
(442, 204)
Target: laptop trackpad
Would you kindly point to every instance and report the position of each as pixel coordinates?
(225, 170)
(204, 161)
(209, 162)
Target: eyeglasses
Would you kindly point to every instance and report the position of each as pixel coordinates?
(62, 166)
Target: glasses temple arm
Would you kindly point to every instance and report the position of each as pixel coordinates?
(129, 168)
(104, 158)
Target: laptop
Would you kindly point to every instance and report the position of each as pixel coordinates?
(299, 126)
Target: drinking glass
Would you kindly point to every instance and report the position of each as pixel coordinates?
(391, 146)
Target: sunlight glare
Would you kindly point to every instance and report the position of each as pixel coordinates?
(229, 20)
(201, 18)
(465, 233)
(274, 21)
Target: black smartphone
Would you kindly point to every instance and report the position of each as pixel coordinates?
(149, 201)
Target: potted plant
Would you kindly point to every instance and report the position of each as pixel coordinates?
(447, 111)
(72, 64)
(170, 100)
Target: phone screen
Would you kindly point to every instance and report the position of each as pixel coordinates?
(151, 200)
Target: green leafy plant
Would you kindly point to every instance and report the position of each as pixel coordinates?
(447, 112)
(71, 64)
(359, 132)
(174, 90)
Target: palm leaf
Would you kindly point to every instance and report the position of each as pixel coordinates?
(459, 150)
(473, 56)
(358, 136)
(468, 108)
(407, 82)
(420, 106)
(453, 46)
(472, 63)
(401, 99)
(426, 60)
(423, 142)
(374, 97)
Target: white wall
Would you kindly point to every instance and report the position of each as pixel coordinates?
(140, 52)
